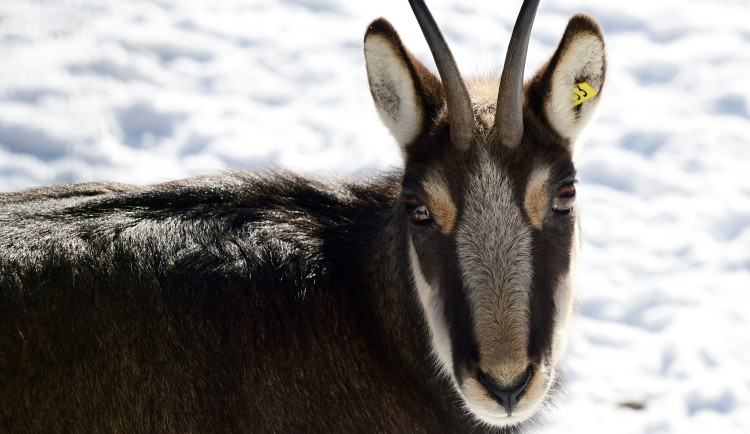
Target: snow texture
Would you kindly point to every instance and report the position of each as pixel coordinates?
(148, 91)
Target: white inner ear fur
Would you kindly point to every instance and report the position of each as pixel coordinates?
(393, 90)
(583, 60)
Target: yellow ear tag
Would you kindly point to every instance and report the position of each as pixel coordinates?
(582, 92)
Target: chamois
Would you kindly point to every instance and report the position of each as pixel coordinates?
(432, 299)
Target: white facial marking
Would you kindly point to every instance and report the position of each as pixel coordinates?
(433, 309)
(564, 299)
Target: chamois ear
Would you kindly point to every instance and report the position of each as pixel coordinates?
(406, 94)
(568, 88)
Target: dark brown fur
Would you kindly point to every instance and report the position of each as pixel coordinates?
(245, 303)
(230, 304)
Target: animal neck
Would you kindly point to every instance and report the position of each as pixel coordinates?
(395, 317)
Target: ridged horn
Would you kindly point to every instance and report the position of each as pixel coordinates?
(509, 114)
(460, 111)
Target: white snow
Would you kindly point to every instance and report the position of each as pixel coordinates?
(148, 91)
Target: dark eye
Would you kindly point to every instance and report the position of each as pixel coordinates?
(564, 199)
(416, 210)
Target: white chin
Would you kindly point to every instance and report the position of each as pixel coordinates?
(488, 411)
(502, 418)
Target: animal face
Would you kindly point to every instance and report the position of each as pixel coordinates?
(492, 250)
(493, 225)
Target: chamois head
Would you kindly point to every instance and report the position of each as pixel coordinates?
(489, 199)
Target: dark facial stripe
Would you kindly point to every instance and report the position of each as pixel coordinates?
(442, 274)
(551, 262)
(458, 316)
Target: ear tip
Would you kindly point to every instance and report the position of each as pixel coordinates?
(582, 23)
(381, 26)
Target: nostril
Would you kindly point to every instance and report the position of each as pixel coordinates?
(505, 396)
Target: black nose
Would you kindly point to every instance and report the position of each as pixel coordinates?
(506, 396)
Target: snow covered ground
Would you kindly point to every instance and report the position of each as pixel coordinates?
(147, 91)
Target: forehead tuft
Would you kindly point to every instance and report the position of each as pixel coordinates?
(483, 93)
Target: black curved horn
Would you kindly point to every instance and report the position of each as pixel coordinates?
(460, 111)
(509, 114)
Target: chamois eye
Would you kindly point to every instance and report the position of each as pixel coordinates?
(416, 210)
(564, 199)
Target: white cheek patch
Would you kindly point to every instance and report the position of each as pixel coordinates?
(393, 90)
(582, 61)
(565, 298)
(433, 309)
